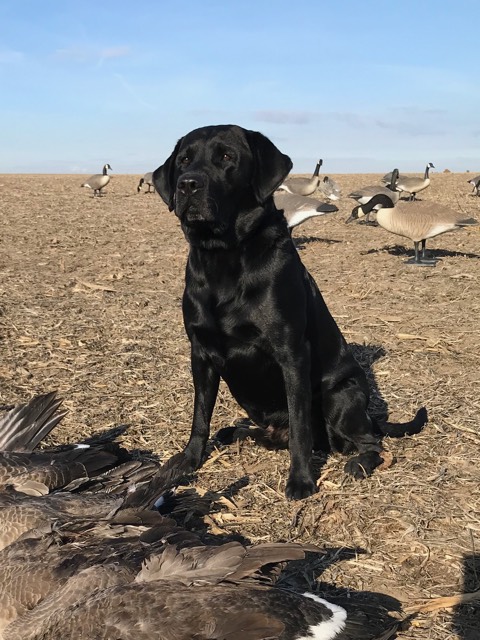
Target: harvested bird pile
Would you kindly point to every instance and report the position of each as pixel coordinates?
(106, 553)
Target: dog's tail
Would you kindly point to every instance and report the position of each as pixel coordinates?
(400, 429)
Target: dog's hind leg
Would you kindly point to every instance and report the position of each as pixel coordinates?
(368, 446)
(350, 428)
(270, 437)
(363, 465)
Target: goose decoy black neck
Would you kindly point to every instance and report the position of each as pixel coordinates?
(429, 166)
(317, 168)
(364, 209)
(392, 185)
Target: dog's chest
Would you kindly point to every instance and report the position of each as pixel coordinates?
(224, 312)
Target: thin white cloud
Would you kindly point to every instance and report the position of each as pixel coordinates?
(115, 52)
(88, 53)
(10, 56)
(111, 53)
(284, 117)
(133, 92)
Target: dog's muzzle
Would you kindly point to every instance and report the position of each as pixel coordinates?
(192, 200)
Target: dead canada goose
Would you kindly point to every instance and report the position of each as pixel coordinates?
(222, 598)
(148, 180)
(84, 498)
(416, 220)
(365, 194)
(98, 181)
(298, 209)
(196, 592)
(414, 185)
(41, 471)
(475, 182)
(20, 513)
(39, 565)
(24, 425)
(330, 188)
(302, 186)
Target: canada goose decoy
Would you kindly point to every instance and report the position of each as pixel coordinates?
(98, 181)
(302, 186)
(148, 180)
(475, 182)
(297, 209)
(365, 194)
(416, 220)
(413, 185)
(330, 188)
(219, 595)
(387, 178)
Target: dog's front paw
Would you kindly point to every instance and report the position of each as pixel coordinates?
(362, 466)
(299, 488)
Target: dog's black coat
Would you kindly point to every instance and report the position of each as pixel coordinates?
(253, 313)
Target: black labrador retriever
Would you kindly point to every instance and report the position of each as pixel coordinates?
(254, 315)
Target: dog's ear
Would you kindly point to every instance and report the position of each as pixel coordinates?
(271, 166)
(163, 178)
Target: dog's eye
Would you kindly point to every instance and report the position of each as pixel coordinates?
(185, 160)
(226, 157)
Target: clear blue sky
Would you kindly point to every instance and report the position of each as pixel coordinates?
(364, 85)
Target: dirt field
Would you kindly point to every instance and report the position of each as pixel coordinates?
(91, 305)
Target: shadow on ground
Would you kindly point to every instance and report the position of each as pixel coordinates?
(466, 619)
(400, 250)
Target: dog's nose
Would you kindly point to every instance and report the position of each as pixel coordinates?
(190, 183)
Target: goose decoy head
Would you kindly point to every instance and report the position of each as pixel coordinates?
(106, 167)
(363, 210)
(356, 214)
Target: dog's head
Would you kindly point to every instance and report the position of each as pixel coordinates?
(218, 180)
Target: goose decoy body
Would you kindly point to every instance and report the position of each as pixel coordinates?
(365, 194)
(208, 593)
(98, 181)
(148, 180)
(413, 185)
(418, 221)
(330, 188)
(302, 186)
(387, 178)
(298, 209)
(475, 182)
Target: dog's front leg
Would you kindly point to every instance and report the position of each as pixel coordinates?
(296, 375)
(206, 381)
